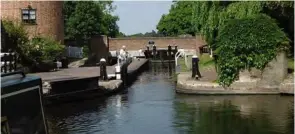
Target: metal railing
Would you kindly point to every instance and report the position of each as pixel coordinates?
(8, 62)
(179, 53)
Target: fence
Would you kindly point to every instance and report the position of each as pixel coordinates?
(8, 62)
(74, 52)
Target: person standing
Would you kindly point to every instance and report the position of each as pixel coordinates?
(122, 54)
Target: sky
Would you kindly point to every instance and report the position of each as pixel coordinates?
(140, 16)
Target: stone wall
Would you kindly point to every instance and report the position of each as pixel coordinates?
(49, 17)
(275, 72)
(136, 43)
(99, 47)
(271, 76)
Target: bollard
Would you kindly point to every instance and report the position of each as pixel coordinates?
(169, 52)
(154, 51)
(124, 74)
(147, 54)
(103, 69)
(195, 67)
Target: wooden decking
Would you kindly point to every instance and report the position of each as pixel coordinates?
(83, 72)
(73, 73)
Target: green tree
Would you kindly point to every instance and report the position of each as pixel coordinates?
(83, 19)
(178, 21)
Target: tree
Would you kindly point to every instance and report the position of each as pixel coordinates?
(178, 21)
(83, 19)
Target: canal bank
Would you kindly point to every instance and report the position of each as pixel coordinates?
(186, 84)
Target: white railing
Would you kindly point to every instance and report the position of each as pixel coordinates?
(179, 53)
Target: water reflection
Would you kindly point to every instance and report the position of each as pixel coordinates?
(234, 114)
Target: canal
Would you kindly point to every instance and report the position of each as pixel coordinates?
(151, 106)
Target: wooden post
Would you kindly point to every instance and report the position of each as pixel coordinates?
(103, 70)
(169, 52)
(154, 52)
(147, 52)
(175, 49)
(124, 74)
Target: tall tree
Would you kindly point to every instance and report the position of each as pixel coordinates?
(83, 19)
(178, 21)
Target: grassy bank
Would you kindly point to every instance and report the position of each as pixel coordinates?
(205, 61)
(291, 65)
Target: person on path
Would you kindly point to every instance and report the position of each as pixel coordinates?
(122, 54)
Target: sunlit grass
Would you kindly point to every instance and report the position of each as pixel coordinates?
(205, 61)
(291, 64)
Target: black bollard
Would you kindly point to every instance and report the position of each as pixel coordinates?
(103, 69)
(154, 52)
(64, 62)
(195, 67)
(169, 52)
(124, 74)
(147, 54)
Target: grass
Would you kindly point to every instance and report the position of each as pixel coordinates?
(291, 65)
(205, 61)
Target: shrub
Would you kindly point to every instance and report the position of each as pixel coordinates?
(85, 51)
(247, 43)
(44, 49)
(34, 51)
(16, 40)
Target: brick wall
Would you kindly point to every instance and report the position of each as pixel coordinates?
(49, 17)
(136, 43)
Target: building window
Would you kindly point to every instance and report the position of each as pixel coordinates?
(29, 16)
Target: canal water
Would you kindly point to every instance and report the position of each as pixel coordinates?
(151, 106)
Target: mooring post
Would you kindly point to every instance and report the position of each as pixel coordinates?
(169, 52)
(195, 67)
(103, 69)
(124, 74)
(147, 52)
(154, 51)
(175, 49)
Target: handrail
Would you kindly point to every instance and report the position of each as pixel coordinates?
(179, 53)
(13, 73)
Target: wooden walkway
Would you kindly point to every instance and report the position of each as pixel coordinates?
(84, 72)
(72, 73)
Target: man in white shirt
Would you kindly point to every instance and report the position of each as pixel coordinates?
(123, 54)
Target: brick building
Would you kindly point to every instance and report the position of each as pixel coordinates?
(44, 18)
